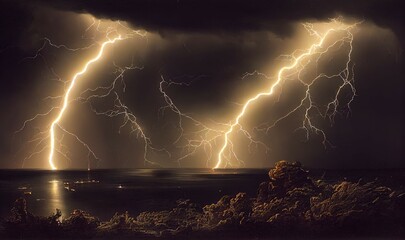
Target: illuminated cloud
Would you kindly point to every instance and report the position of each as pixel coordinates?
(211, 51)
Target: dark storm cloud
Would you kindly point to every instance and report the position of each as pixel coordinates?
(234, 15)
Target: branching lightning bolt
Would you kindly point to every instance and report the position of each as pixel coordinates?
(113, 36)
(208, 134)
(297, 63)
(67, 95)
(206, 137)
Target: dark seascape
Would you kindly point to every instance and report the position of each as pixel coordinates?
(154, 195)
(104, 192)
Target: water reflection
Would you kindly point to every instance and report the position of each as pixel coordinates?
(104, 192)
(56, 200)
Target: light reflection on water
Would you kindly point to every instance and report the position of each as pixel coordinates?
(104, 192)
(56, 199)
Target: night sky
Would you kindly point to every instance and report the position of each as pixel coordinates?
(208, 46)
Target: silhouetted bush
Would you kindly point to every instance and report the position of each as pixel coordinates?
(22, 223)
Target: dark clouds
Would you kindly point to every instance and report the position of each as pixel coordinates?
(233, 15)
(220, 40)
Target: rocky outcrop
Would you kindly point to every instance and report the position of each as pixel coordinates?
(184, 217)
(290, 202)
(227, 211)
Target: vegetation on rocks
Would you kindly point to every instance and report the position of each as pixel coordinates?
(289, 203)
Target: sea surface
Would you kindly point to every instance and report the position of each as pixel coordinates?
(104, 192)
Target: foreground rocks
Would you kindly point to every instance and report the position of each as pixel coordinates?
(289, 204)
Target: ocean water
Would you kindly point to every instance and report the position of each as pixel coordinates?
(104, 192)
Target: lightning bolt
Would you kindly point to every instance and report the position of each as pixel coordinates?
(193, 140)
(298, 62)
(67, 97)
(112, 35)
(206, 136)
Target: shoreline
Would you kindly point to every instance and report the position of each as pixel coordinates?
(290, 204)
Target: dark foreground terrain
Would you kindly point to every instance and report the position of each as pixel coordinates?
(289, 205)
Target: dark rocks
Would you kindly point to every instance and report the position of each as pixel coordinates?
(22, 223)
(19, 212)
(284, 178)
(227, 211)
(290, 203)
(119, 222)
(81, 222)
(183, 217)
(351, 202)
